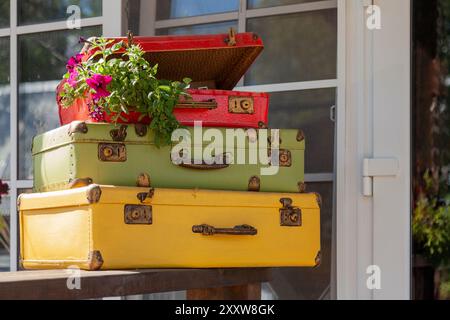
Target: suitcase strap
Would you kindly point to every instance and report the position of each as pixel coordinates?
(241, 230)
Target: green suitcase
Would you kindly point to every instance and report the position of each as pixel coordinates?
(83, 153)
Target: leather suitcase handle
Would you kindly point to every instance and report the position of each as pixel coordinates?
(211, 104)
(241, 230)
(206, 166)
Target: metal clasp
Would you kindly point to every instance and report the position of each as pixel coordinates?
(290, 216)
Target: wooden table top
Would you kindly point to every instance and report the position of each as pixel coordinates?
(52, 284)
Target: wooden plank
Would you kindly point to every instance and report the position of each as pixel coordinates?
(52, 284)
(243, 292)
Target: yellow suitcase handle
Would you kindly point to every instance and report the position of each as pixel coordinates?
(241, 230)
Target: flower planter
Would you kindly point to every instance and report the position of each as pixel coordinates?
(215, 63)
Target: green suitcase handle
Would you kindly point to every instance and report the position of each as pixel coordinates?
(207, 166)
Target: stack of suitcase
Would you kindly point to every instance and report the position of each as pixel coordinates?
(108, 198)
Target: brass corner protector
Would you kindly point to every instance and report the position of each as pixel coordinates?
(79, 182)
(93, 193)
(262, 125)
(254, 183)
(78, 127)
(318, 199)
(140, 129)
(318, 259)
(301, 186)
(18, 201)
(143, 180)
(300, 135)
(95, 260)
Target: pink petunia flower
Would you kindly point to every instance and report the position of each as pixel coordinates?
(99, 82)
(74, 62)
(72, 81)
(97, 114)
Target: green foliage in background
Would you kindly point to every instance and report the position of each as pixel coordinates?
(431, 224)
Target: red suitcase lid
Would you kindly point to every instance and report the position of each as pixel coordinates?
(216, 61)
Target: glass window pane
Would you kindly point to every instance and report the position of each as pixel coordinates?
(4, 231)
(4, 14)
(308, 110)
(42, 61)
(5, 151)
(39, 11)
(311, 283)
(298, 47)
(210, 28)
(252, 4)
(168, 9)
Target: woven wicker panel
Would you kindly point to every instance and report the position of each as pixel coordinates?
(223, 66)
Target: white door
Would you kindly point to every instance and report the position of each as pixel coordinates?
(373, 157)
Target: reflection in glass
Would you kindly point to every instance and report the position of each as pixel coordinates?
(4, 232)
(298, 47)
(4, 109)
(210, 28)
(38, 11)
(311, 283)
(168, 9)
(431, 150)
(42, 60)
(4, 14)
(308, 110)
(252, 4)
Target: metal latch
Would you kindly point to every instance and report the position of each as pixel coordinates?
(290, 216)
(380, 167)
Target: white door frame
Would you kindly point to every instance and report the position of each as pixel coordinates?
(373, 122)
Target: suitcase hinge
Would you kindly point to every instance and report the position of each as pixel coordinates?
(119, 134)
(290, 216)
(144, 195)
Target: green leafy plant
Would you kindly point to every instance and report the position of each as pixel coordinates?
(431, 224)
(116, 78)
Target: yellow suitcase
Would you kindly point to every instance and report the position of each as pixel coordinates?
(108, 227)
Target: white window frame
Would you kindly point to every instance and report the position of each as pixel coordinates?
(112, 13)
(373, 122)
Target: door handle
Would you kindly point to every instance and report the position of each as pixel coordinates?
(241, 230)
(377, 167)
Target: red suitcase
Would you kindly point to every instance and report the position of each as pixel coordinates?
(215, 63)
